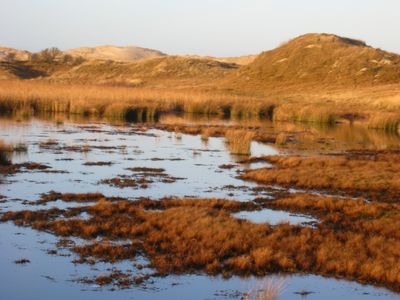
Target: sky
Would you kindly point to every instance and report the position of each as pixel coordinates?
(201, 27)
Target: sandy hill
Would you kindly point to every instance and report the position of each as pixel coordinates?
(239, 60)
(172, 70)
(7, 53)
(129, 53)
(318, 59)
(308, 61)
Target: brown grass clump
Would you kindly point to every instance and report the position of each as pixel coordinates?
(69, 197)
(354, 215)
(116, 278)
(124, 181)
(10, 168)
(270, 289)
(6, 151)
(239, 141)
(106, 251)
(141, 178)
(370, 174)
(189, 235)
(5, 154)
(48, 144)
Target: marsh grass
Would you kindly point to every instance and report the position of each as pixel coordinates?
(369, 174)
(132, 104)
(269, 289)
(5, 154)
(239, 141)
(7, 150)
(321, 114)
(387, 121)
(191, 235)
(141, 104)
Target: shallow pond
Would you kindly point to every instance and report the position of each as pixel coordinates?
(73, 151)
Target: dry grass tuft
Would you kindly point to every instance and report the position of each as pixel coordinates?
(5, 149)
(270, 289)
(239, 141)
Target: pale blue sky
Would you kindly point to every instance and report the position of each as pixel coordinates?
(205, 27)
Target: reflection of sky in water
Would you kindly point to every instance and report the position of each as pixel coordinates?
(273, 217)
(199, 164)
(47, 276)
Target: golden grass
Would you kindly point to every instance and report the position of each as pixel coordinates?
(376, 104)
(372, 174)
(138, 104)
(306, 113)
(184, 236)
(385, 121)
(270, 289)
(239, 141)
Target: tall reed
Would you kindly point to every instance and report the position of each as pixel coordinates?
(269, 289)
(386, 121)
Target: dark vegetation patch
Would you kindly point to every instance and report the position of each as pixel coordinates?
(142, 178)
(22, 261)
(124, 181)
(69, 197)
(164, 159)
(147, 170)
(98, 163)
(49, 144)
(227, 166)
(7, 150)
(117, 278)
(23, 167)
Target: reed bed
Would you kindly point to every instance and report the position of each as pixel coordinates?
(296, 112)
(386, 121)
(25, 98)
(137, 104)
